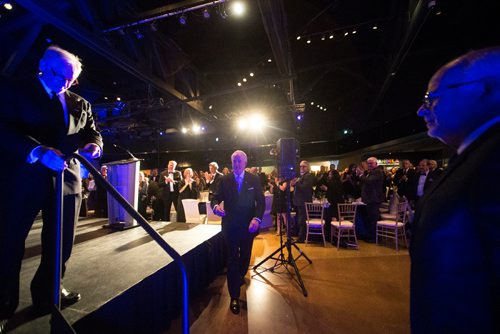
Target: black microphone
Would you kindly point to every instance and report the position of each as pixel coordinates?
(124, 149)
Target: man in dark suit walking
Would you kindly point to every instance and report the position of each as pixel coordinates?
(169, 183)
(455, 248)
(241, 214)
(41, 122)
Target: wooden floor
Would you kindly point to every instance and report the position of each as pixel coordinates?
(349, 291)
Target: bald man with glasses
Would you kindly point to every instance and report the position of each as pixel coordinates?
(455, 246)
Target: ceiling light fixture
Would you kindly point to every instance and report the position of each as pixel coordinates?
(251, 74)
(331, 36)
(206, 14)
(183, 20)
(7, 6)
(298, 38)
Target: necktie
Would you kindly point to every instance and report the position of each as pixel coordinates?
(239, 181)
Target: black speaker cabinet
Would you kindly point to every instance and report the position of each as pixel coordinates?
(287, 153)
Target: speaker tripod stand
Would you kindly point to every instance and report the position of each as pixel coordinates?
(279, 256)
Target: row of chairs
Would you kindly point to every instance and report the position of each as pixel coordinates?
(391, 226)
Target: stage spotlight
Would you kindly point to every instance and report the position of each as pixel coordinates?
(118, 99)
(242, 124)
(299, 117)
(257, 121)
(312, 103)
(244, 79)
(331, 36)
(184, 130)
(239, 84)
(7, 6)
(217, 139)
(183, 20)
(251, 74)
(196, 128)
(238, 8)
(298, 38)
(210, 107)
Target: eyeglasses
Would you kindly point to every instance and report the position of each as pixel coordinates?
(430, 97)
(73, 82)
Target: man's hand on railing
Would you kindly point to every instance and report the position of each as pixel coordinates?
(51, 158)
(91, 150)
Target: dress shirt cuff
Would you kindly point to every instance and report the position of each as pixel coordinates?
(34, 155)
(258, 220)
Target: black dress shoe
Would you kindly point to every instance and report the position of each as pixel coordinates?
(67, 298)
(235, 306)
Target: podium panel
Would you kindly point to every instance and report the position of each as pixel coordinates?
(124, 176)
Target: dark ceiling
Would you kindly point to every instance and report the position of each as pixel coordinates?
(368, 80)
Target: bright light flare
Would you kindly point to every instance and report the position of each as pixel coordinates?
(238, 8)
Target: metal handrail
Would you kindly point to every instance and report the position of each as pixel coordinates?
(145, 225)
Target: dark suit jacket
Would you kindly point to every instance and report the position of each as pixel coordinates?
(455, 247)
(212, 187)
(240, 207)
(165, 186)
(303, 189)
(372, 186)
(406, 188)
(29, 118)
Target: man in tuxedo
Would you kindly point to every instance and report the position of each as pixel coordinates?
(241, 214)
(213, 178)
(303, 191)
(424, 178)
(455, 249)
(169, 183)
(405, 179)
(372, 194)
(41, 122)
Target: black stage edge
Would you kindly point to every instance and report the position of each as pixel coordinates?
(128, 284)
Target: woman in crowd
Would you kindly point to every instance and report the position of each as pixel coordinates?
(143, 194)
(279, 206)
(187, 189)
(350, 183)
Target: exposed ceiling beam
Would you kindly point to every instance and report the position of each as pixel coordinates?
(275, 23)
(22, 49)
(95, 43)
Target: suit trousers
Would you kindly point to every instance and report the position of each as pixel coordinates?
(239, 250)
(301, 218)
(169, 198)
(16, 218)
(372, 216)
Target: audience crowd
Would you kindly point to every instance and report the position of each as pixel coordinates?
(367, 182)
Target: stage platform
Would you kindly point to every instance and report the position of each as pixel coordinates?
(128, 283)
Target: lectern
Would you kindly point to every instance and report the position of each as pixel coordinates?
(124, 176)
